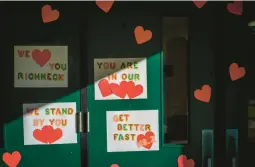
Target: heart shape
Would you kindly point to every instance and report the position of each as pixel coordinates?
(199, 4)
(105, 5)
(204, 94)
(184, 162)
(114, 165)
(47, 135)
(119, 90)
(235, 8)
(49, 15)
(142, 35)
(146, 140)
(133, 90)
(12, 160)
(105, 88)
(236, 72)
(41, 57)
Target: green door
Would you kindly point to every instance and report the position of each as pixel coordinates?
(187, 52)
(24, 26)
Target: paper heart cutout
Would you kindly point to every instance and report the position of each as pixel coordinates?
(49, 15)
(41, 57)
(114, 165)
(142, 35)
(12, 160)
(235, 8)
(204, 94)
(199, 4)
(236, 72)
(105, 5)
(47, 135)
(105, 88)
(184, 162)
(119, 90)
(133, 90)
(146, 140)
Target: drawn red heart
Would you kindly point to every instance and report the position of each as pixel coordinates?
(199, 4)
(114, 165)
(146, 140)
(142, 35)
(47, 134)
(204, 94)
(133, 90)
(235, 8)
(105, 5)
(105, 87)
(12, 160)
(49, 15)
(41, 57)
(184, 162)
(119, 90)
(236, 72)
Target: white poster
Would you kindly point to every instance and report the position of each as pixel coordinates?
(40, 66)
(52, 123)
(132, 130)
(120, 78)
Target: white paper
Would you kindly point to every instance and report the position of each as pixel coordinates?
(39, 119)
(116, 70)
(46, 67)
(146, 122)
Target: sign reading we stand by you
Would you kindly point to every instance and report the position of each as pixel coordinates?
(120, 78)
(52, 123)
(40, 66)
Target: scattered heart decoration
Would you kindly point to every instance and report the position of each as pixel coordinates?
(142, 35)
(199, 4)
(47, 135)
(236, 7)
(105, 5)
(49, 15)
(203, 94)
(41, 57)
(146, 140)
(114, 165)
(236, 72)
(184, 162)
(12, 160)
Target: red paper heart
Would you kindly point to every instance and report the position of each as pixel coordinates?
(236, 72)
(12, 160)
(41, 57)
(49, 15)
(199, 4)
(119, 90)
(146, 140)
(105, 88)
(236, 7)
(105, 5)
(184, 162)
(204, 94)
(133, 90)
(142, 35)
(47, 134)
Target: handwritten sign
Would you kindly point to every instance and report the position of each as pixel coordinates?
(40, 66)
(132, 131)
(52, 123)
(120, 78)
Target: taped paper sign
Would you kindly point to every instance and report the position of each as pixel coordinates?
(132, 131)
(120, 78)
(52, 123)
(40, 66)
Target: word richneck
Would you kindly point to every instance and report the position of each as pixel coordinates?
(41, 76)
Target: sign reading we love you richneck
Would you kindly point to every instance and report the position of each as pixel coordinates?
(40, 66)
